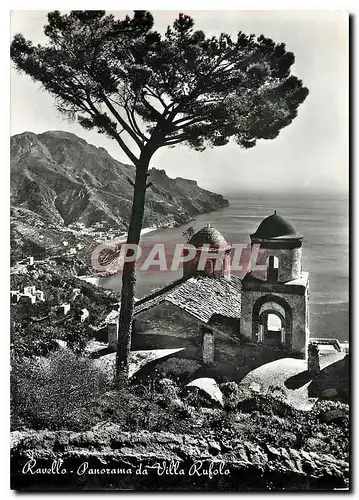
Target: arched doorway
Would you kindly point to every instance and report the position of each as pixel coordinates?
(271, 328)
(272, 321)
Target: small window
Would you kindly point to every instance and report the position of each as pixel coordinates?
(272, 269)
(209, 268)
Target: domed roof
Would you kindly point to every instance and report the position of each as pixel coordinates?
(208, 235)
(274, 226)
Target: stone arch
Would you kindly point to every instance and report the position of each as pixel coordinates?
(272, 306)
(279, 337)
(287, 320)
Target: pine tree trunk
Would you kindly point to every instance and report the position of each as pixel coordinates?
(129, 273)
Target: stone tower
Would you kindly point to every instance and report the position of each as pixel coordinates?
(275, 291)
(214, 251)
(280, 250)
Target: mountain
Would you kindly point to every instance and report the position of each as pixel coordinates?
(60, 183)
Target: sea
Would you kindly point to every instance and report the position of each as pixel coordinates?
(323, 220)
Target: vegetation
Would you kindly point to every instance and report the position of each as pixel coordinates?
(178, 369)
(124, 79)
(35, 328)
(56, 392)
(64, 391)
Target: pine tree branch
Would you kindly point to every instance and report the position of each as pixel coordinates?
(201, 84)
(151, 108)
(156, 96)
(189, 123)
(130, 112)
(176, 140)
(125, 125)
(114, 134)
(181, 120)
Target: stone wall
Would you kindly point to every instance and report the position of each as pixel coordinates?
(249, 466)
(299, 307)
(112, 334)
(219, 265)
(168, 319)
(289, 263)
(313, 359)
(167, 326)
(207, 347)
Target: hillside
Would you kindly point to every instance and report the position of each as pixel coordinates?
(35, 330)
(59, 182)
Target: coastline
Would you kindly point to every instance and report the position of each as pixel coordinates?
(96, 277)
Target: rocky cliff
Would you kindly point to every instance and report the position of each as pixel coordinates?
(59, 180)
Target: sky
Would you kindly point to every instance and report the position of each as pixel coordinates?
(311, 154)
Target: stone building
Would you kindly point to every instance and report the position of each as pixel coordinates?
(213, 313)
(14, 296)
(275, 307)
(63, 309)
(179, 314)
(209, 242)
(27, 299)
(39, 294)
(75, 293)
(29, 290)
(81, 314)
(84, 314)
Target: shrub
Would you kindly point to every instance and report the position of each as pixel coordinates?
(143, 407)
(168, 388)
(58, 392)
(267, 405)
(269, 420)
(221, 422)
(64, 391)
(77, 337)
(178, 369)
(33, 339)
(230, 393)
(198, 398)
(132, 412)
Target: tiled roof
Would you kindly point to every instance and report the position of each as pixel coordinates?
(200, 296)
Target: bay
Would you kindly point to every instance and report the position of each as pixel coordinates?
(323, 220)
